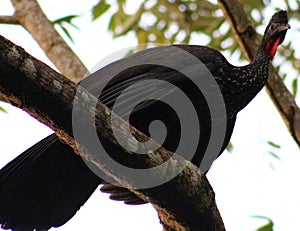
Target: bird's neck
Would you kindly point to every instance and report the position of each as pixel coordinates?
(264, 53)
(249, 80)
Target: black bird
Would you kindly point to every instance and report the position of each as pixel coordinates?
(46, 185)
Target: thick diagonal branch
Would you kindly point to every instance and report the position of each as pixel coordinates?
(31, 17)
(184, 203)
(249, 42)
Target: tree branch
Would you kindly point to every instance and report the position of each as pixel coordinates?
(184, 203)
(14, 19)
(32, 18)
(249, 41)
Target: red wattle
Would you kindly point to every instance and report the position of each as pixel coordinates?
(273, 49)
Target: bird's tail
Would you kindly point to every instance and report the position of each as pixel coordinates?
(44, 186)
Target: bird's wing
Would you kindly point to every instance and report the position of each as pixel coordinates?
(109, 82)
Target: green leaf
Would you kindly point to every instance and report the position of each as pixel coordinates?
(229, 147)
(2, 109)
(271, 143)
(99, 9)
(274, 145)
(67, 19)
(112, 23)
(284, 76)
(295, 87)
(67, 33)
(267, 227)
(274, 155)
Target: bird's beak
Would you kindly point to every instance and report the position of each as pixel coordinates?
(283, 27)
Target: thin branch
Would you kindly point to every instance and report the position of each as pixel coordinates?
(249, 41)
(14, 19)
(184, 203)
(32, 18)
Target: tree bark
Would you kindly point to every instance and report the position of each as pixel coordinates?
(184, 203)
(249, 41)
(32, 18)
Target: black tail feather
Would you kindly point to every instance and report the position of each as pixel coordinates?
(44, 186)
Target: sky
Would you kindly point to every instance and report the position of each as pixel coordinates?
(247, 182)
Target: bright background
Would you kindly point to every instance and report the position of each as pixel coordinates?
(247, 182)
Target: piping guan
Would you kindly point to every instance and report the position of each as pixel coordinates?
(45, 185)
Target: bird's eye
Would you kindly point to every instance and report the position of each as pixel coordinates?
(272, 27)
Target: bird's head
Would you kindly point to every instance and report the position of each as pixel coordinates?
(275, 32)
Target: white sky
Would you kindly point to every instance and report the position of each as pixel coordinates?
(247, 182)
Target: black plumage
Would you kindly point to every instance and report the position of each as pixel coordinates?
(47, 184)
